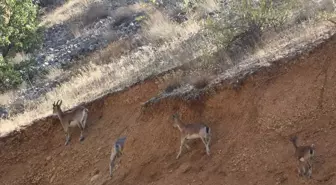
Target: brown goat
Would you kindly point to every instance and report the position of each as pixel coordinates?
(76, 117)
(192, 131)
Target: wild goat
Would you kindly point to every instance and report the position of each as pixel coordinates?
(76, 117)
(192, 131)
(305, 169)
(116, 151)
(303, 153)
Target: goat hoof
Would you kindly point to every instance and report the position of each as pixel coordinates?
(81, 139)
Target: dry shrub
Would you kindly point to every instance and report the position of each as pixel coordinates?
(199, 81)
(203, 9)
(17, 107)
(122, 14)
(171, 80)
(75, 28)
(158, 28)
(20, 57)
(172, 86)
(7, 97)
(54, 73)
(244, 43)
(113, 51)
(95, 12)
(48, 3)
(64, 13)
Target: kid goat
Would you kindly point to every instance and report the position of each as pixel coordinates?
(303, 153)
(116, 152)
(73, 118)
(192, 131)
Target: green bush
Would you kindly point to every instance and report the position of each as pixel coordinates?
(13, 74)
(9, 77)
(28, 70)
(19, 30)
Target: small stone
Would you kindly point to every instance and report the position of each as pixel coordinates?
(52, 179)
(95, 177)
(48, 158)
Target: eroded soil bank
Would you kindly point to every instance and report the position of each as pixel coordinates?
(250, 144)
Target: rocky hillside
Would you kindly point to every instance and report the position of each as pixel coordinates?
(251, 128)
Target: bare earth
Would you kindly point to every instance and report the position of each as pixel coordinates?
(250, 144)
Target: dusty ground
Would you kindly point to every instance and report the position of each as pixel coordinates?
(250, 145)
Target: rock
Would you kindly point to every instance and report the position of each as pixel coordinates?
(96, 172)
(48, 158)
(95, 177)
(52, 178)
(3, 113)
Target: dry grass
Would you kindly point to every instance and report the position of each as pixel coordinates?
(112, 52)
(95, 12)
(172, 86)
(158, 28)
(128, 68)
(172, 81)
(54, 73)
(95, 80)
(20, 57)
(62, 14)
(200, 82)
(6, 97)
(204, 8)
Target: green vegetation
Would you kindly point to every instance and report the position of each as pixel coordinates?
(19, 32)
(10, 78)
(18, 26)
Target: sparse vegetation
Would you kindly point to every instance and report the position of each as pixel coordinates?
(245, 18)
(200, 82)
(162, 44)
(10, 78)
(172, 86)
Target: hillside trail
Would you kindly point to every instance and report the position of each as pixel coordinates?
(250, 143)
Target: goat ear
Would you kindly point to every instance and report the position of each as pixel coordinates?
(60, 103)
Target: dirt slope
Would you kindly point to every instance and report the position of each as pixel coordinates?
(250, 128)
